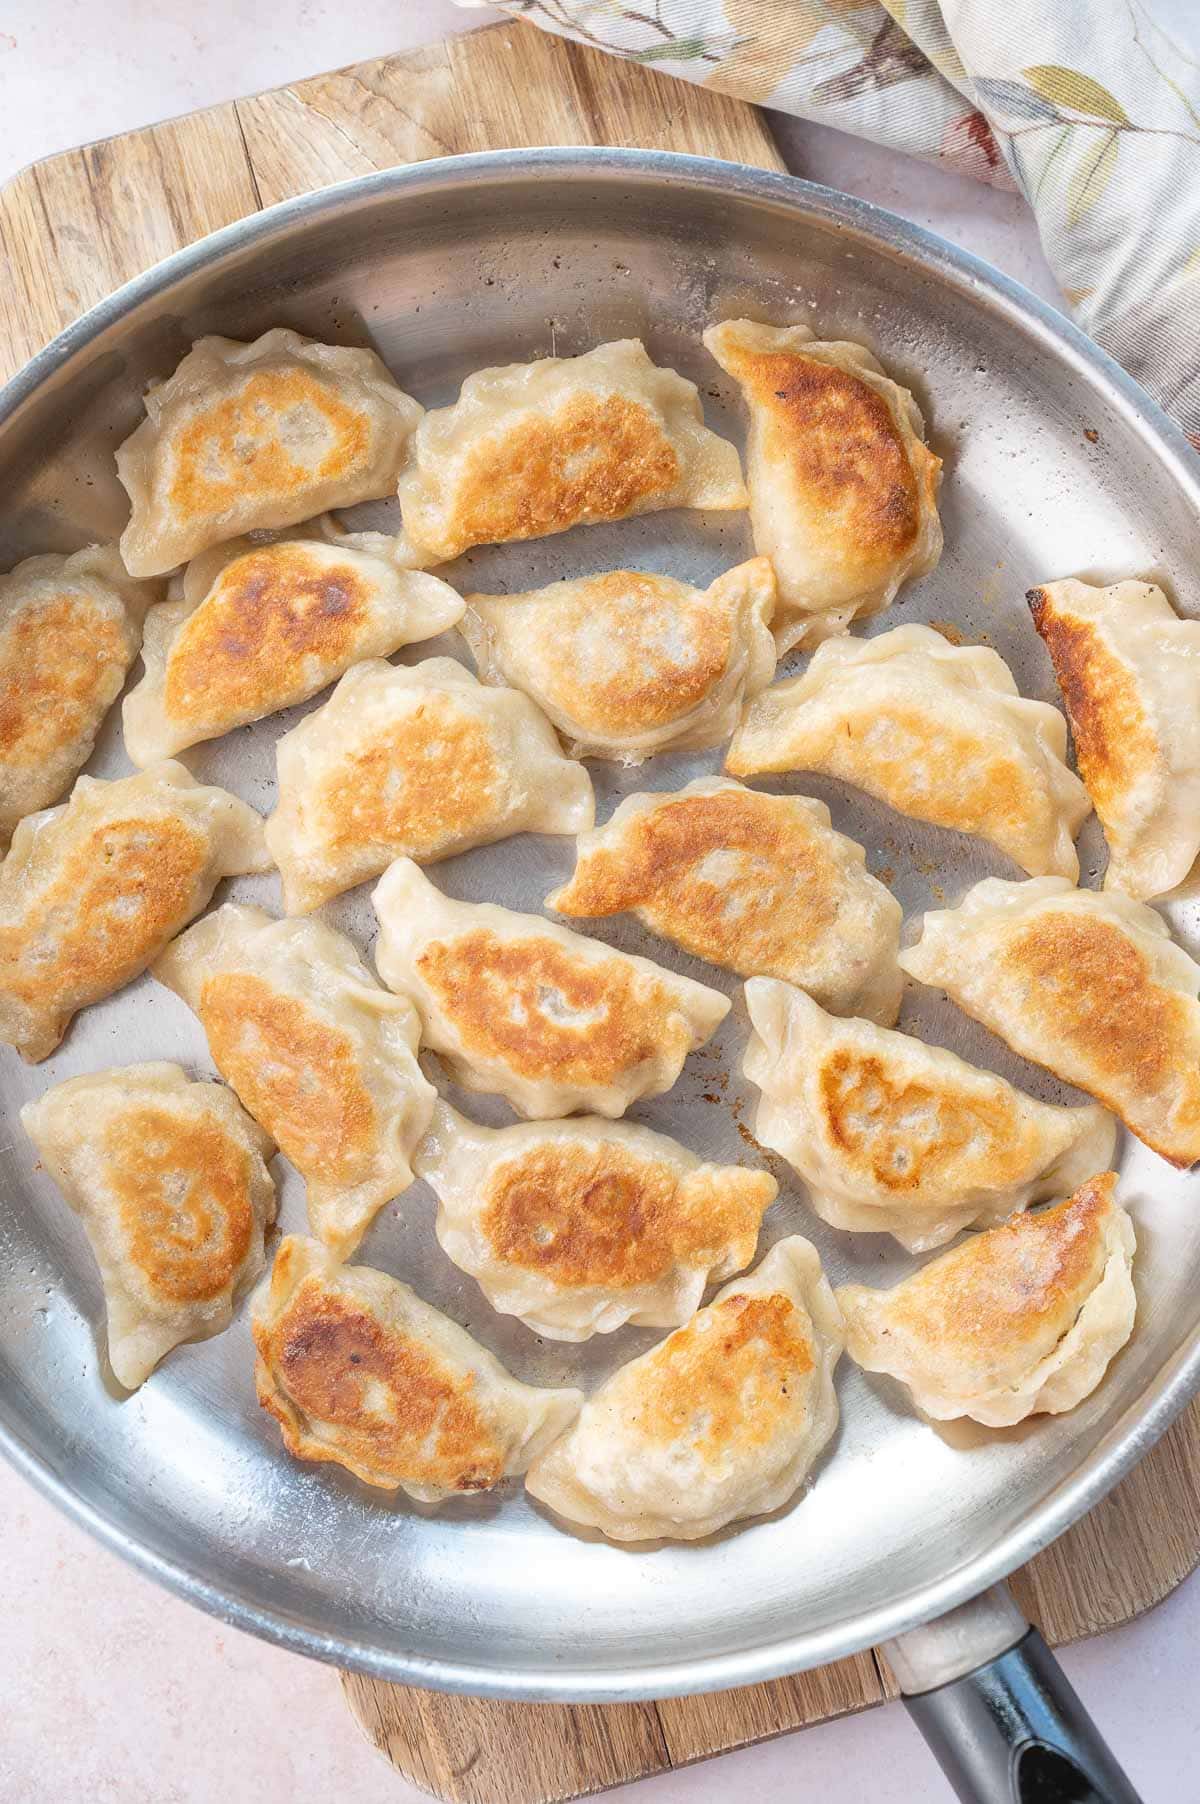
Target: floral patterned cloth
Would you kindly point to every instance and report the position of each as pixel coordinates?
(1087, 106)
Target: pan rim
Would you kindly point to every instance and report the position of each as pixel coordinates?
(1176, 1381)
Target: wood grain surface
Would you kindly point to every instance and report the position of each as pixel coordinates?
(76, 226)
(73, 228)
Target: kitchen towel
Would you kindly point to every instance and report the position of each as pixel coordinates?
(1089, 107)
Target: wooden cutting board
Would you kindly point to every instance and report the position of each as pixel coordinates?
(74, 227)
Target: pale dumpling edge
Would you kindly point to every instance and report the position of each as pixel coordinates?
(138, 1342)
(707, 467)
(459, 1160)
(309, 963)
(554, 1478)
(1053, 1384)
(552, 792)
(491, 627)
(150, 546)
(813, 1147)
(418, 607)
(409, 906)
(805, 617)
(872, 984)
(532, 1415)
(968, 685)
(235, 847)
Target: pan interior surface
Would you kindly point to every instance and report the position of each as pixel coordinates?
(1053, 467)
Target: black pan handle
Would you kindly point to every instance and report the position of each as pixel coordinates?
(998, 1712)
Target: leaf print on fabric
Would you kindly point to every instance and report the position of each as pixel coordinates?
(1078, 92)
(1188, 67)
(625, 26)
(923, 21)
(1093, 105)
(680, 50)
(1013, 100)
(969, 145)
(760, 56)
(891, 58)
(1091, 176)
(1051, 163)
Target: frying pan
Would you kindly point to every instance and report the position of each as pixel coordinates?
(1056, 464)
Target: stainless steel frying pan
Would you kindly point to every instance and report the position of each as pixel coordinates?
(1056, 463)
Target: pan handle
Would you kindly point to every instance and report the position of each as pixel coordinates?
(998, 1712)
